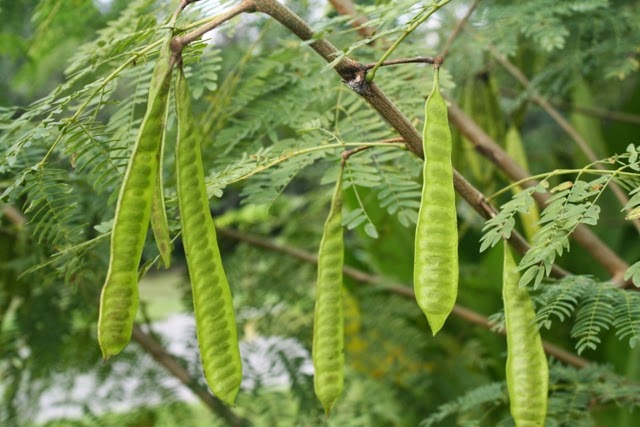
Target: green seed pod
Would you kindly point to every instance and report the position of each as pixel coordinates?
(328, 324)
(435, 276)
(119, 298)
(159, 223)
(212, 302)
(527, 369)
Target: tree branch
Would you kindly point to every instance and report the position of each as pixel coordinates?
(491, 150)
(180, 42)
(600, 113)
(416, 60)
(166, 360)
(561, 121)
(488, 148)
(402, 290)
(458, 28)
(14, 215)
(353, 74)
(346, 8)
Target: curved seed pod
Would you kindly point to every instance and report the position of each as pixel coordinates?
(435, 274)
(119, 298)
(527, 369)
(213, 306)
(328, 323)
(159, 223)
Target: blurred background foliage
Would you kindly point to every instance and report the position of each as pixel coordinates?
(264, 101)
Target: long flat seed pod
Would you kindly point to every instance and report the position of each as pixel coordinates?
(119, 298)
(527, 369)
(328, 322)
(159, 223)
(435, 274)
(213, 306)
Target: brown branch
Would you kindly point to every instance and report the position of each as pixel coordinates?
(599, 113)
(14, 215)
(348, 153)
(616, 116)
(483, 143)
(359, 22)
(488, 148)
(458, 28)
(164, 358)
(353, 74)
(180, 42)
(561, 121)
(398, 289)
(416, 60)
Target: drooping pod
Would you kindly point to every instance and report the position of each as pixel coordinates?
(119, 298)
(435, 274)
(527, 369)
(212, 302)
(328, 322)
(159, 223)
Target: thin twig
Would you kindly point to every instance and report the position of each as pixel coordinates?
(416, 60)
(458, 28)
(348, 153)
(347, 8)
(600, 113)
(486, 146)
(560, 120)
(181, 41)
(14, 215)
(412, 27)
(459, 311)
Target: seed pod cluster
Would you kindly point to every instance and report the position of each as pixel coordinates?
(141, 200)
(119, 298)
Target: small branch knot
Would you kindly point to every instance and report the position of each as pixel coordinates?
(358, 82)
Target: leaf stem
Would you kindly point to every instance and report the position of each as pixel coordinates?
(285, 157)
(412, 27)
(556, 172)
(181, 41)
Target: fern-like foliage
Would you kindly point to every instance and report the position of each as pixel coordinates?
(581, 27)
(594, 306)
(559, 301)
(565, 210)
(572, 203)
(492, 394)
(501, 226)
(388, 21)
(595, 314)
(53, 207)
(572, 393)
